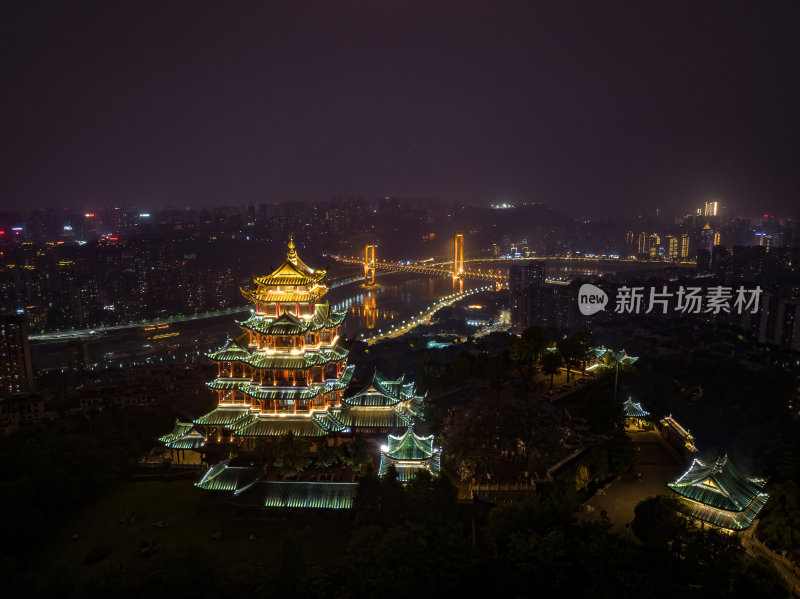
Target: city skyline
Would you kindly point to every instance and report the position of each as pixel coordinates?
(593, 109)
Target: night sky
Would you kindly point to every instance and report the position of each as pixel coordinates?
(591, 107)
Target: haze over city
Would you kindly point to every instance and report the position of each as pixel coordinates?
(594, 108)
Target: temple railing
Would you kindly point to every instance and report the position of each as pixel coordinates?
(788, 569)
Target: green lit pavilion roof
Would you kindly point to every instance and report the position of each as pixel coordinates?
(634, 410)
(233, 350)
(287, 361)
(729, 520)
(718, 485)
(292, 494)
(410, 453)
(376, 418)
(223, 477)
(224, 416)
(267, 392)
(380, 391)
(288, 324)
(184, 436)
(180, 429)
(276, 426)
(409, 446)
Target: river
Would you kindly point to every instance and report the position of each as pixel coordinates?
(397, 297)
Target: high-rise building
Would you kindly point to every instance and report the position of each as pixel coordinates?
(707, 238)
(526, 284)
(16, 369)
(711, 209)
(654, 242)
(779, 318)
(685, 245)
(644, 243)
(672, 247)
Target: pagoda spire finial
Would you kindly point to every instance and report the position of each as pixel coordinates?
(292, 255)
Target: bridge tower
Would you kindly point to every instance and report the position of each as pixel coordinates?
(458, 256)
(369, 265)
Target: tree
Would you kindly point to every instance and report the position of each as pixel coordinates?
(537, 339)
(356, 455)
(603, 413)
(290, 455)
(570, 349)
(779, 525)
(551, 363)
(584, 344)
(657, 523)
(327, 455)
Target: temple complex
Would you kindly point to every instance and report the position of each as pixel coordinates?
(717, 493)
(287, 372)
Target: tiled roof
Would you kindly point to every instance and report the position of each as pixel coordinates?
(409, 446)
(288, 324)
(634, 410)
(231, 351)
(183, 436)
(718, 484)
(372, 418)
(223, 477)
(291, 494)
(276, 426)
(224, 416)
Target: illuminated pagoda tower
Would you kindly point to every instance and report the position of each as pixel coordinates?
(287, 372)
(287, 369)
(410, 453)
(719, 494)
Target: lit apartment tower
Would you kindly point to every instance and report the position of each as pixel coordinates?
(644, 243)
(685, 245)
(672, 247)
(707, 238)
(716, 238)
(526, 285)
(16, 370)
(711, 209)
(655, 241)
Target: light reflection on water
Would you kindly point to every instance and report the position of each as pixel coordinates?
(399, 296)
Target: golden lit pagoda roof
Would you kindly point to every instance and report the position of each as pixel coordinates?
(293, 272)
